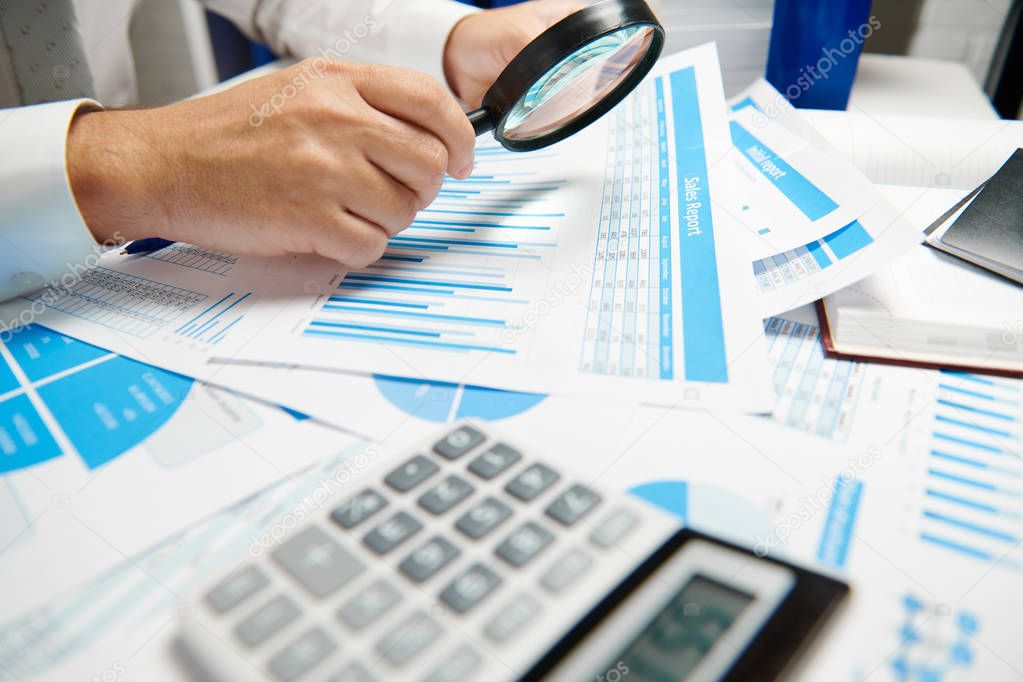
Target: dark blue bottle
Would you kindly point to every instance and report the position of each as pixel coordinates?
(815, 47)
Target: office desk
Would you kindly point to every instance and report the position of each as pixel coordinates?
(884, 85)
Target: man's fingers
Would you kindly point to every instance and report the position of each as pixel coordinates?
(410, 155)
(351, 240)
(422, 101)
(382, 200)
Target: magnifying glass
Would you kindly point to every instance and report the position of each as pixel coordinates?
(571, 74)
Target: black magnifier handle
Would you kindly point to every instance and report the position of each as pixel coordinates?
(481, 120)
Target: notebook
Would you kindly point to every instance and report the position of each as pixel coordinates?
(929, 308)
(987, 228)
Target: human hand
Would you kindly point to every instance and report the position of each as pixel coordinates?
(482, 44)
(322, 157)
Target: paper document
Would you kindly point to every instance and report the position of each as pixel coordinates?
(817, 225)
(101, 457)
(798, 193)
(595, 267)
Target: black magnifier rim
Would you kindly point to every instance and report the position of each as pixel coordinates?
(555, 44)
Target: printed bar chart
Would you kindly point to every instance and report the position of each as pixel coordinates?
(973, 500)
(214, 322)
(798, 264)
(447, 283)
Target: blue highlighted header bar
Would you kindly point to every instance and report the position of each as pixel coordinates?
(806, 196)
(702, 325)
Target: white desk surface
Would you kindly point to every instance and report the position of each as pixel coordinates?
(917, 87)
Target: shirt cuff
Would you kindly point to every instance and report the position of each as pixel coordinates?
(417, 32)
(43, 237)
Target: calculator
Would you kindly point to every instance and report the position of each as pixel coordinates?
(467, 558)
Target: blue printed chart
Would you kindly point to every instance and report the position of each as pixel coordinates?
(460, 257)
(47, 383)
(973, 496)
(214, 322)
(815, 394)
(437, 401)
(707, 508)
(804, 262)
(815, 224)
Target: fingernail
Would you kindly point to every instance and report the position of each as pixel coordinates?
(465, 171)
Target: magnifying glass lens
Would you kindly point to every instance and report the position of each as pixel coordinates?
(577, 83)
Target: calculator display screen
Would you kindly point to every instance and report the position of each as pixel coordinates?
(683, 631)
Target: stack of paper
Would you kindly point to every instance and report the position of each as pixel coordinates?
(607, 295)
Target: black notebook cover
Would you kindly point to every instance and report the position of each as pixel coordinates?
(992, 226)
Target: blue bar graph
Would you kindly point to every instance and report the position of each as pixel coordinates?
(973, 502)
(790, 267)
(212, 325)
(447, 284)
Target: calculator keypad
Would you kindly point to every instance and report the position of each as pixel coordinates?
(529, 484)
(411, 473)
(358, 509)
(317, 561)
(445, 495)
(422, 564)
(466, 529)
(392, 532)
(483, 518)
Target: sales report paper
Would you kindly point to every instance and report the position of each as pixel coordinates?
(598, 266)
(603, 266)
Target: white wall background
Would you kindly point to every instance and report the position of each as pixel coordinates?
(958, 30)
(961, 30)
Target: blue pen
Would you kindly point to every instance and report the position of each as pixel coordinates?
(140, 246)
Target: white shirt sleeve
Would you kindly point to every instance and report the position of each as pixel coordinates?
(42, 233)
(409, 33)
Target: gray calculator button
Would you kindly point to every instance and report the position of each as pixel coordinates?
(445, 495)
(392, 533)
(411, 473)
(572, 505)
(358, 509)
(317, 562)
(494, 461)
(353, 672)
(458, 666)
(483, 518)
(531, 482)
(524, 543)
(469, 588)
(236, 588)
(410, 637)
(566, 570)
(511, 617)
(458, 442)
(268, 620)
(613, 527)
(421, 564)
(369, 604)
(301, 655)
